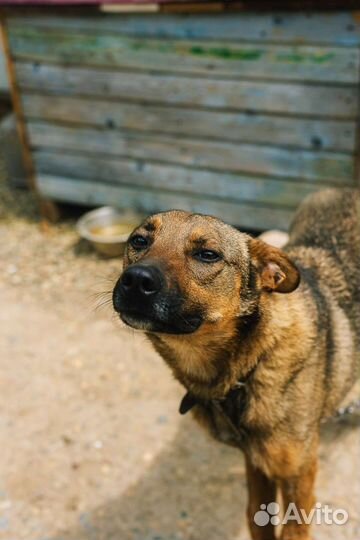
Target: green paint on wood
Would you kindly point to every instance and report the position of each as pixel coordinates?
(95, 43)
(222, 52)
(162, 47)
(226, 53)
(297, 57)
(289, 62)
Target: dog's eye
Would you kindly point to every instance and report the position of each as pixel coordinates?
(207, 255)
(138, 242)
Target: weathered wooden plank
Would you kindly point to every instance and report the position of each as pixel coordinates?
(47, 208)
(341, 29)
(282, 193)
(213, 93)
(312, 166)
(227, 59)
(146, 200)
(241, 127)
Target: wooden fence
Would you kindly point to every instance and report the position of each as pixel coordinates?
(237, 115)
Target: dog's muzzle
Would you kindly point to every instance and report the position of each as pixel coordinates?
(143, 300)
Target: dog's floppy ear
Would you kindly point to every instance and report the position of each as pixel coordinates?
(277, 272)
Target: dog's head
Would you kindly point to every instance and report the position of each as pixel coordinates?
(184, 272)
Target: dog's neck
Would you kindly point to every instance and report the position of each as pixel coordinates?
(211, 362)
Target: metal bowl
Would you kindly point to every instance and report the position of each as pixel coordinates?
(108, 229)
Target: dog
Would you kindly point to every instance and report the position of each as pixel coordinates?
(265, 341)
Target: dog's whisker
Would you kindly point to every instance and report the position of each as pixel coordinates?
(105, 304)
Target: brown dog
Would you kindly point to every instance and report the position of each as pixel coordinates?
(265, 341)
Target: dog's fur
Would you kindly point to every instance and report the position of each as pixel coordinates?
(293, 346)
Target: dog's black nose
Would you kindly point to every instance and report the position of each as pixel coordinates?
(141, 280)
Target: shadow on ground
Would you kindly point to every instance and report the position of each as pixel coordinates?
(194, 490)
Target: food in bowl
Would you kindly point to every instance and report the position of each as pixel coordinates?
(107, 229)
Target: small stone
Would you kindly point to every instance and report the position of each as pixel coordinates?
(5, 505)
(148, 457)
(72, 504)
(67, 440)
(105, 469)
(78, 363)
(12, 269)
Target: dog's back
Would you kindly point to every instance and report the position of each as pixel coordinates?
(325, 245)
(327, 225)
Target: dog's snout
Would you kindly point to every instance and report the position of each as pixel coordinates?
(141, 280)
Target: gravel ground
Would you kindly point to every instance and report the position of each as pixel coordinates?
(91, 442)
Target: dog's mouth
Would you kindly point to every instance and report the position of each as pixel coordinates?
(144, 302)
(176, 324)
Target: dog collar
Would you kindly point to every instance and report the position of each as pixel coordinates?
(187, 403)
(189, 400)
(230, 407)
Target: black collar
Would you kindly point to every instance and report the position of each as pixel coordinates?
(231, 408)
(189, 400)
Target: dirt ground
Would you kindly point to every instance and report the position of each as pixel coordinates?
(92, 445)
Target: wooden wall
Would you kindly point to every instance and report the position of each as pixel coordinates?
(237, 115)
(3, 79)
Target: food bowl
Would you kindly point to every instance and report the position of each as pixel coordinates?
(108, 229)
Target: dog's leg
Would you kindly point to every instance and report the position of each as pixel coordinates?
(262, 491)
(298, 492)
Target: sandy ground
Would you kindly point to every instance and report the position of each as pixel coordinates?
(92, 446)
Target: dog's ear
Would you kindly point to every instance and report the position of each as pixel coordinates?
(277, 272)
